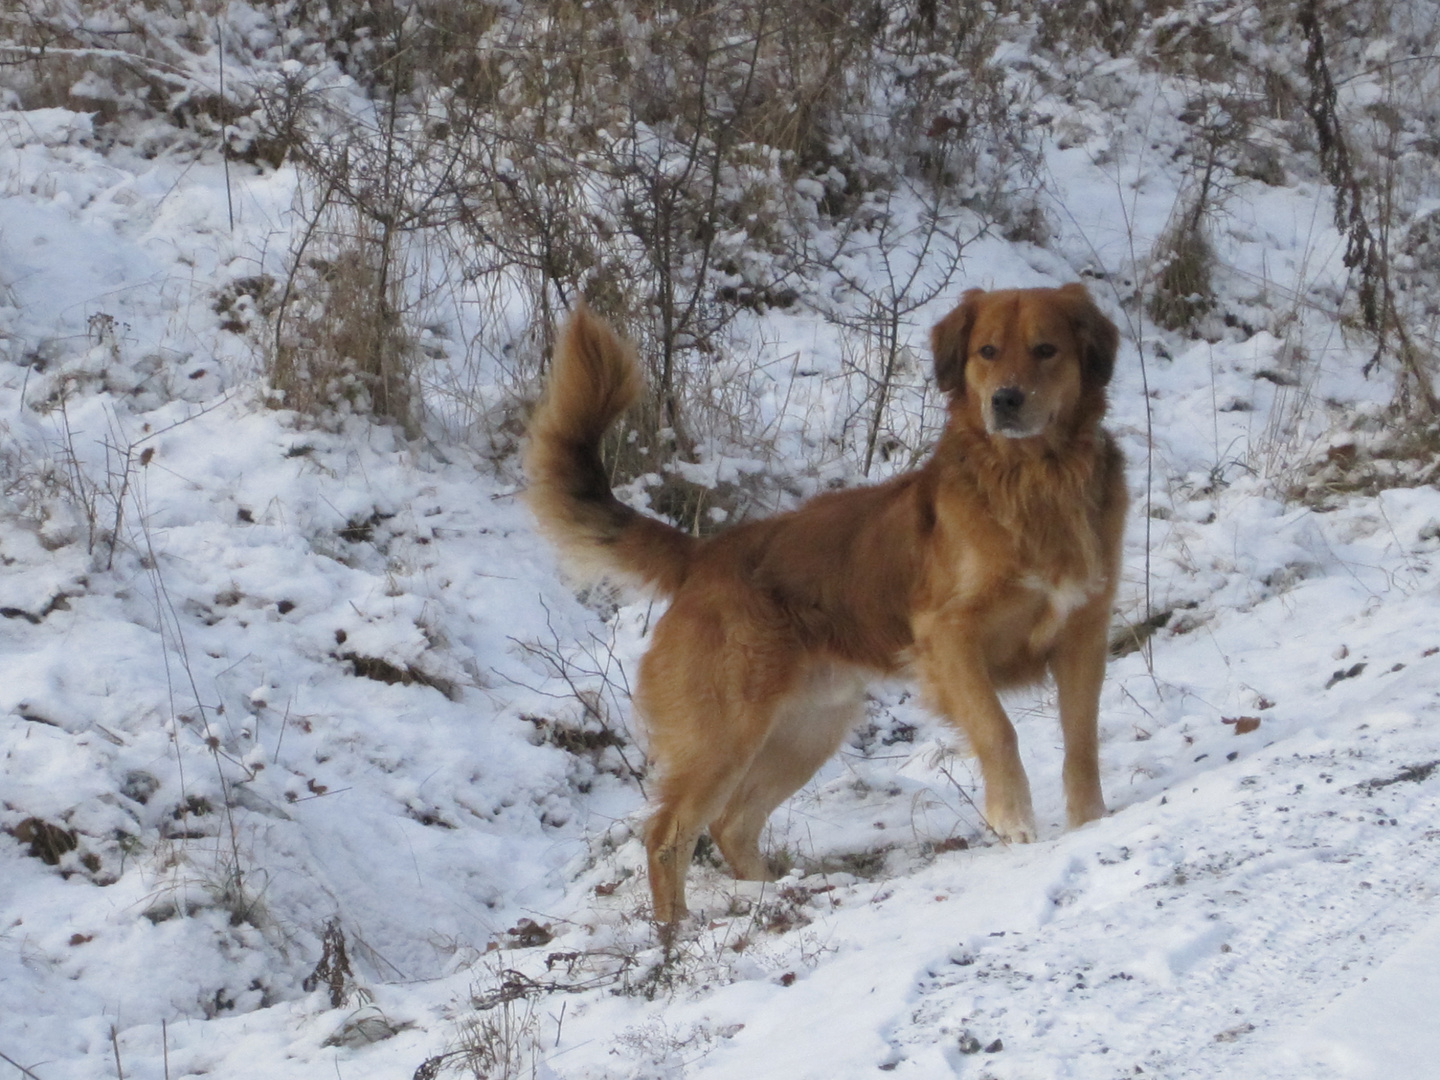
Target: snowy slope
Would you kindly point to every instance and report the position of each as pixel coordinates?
(191, 708)
(326, 677)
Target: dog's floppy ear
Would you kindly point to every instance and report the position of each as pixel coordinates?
(1099, 340)
(950, 342)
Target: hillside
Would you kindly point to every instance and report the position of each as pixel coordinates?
(314, 763)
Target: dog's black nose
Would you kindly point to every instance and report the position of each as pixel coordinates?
(1007, 401)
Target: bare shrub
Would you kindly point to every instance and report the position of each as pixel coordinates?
(910, 254)
(1110, 25)
(1370, 195)
(498, 1039)
(595, 679)
(338, 336)
(657, 160)
(55, 59)
(129, 66)
(332, 970)
(1182, 293)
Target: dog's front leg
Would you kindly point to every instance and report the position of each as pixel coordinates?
(952, 665)
(1078, 664)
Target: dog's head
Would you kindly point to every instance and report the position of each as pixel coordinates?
(1020, 361)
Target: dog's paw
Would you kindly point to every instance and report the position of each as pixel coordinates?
(1016, 826)
(1019, 833)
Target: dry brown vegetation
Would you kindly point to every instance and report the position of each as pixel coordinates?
(679, 164)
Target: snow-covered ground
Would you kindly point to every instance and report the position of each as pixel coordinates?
(330, 678)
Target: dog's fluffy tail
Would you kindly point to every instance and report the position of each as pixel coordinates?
(594, 378)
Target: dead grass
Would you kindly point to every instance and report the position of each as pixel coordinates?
(1183, 294)
(333, 968)
(1404, 455)
(339, 337)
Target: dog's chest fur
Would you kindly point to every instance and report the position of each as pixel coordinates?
(1024, 554)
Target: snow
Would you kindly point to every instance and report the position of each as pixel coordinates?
(1385, 1027)
(202, 715)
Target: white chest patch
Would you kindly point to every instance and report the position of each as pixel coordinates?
(1063, 598)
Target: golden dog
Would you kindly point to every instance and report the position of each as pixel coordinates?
(993, 563)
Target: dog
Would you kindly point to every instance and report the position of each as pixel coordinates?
(991, 565)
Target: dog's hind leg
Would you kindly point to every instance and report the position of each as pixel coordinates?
(716, 678)
(670, 836)
(694, 790)
(806, 733)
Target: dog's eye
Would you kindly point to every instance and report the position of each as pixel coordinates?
(989, 352)
(1044, 351)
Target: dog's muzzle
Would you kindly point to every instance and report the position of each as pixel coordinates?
(1007, 407)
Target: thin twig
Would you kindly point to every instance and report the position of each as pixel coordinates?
(945, 771)
(159, 67)
(164, 604)
(224, 142)
(284, 722)
(11, 1061)
(115, 1044)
